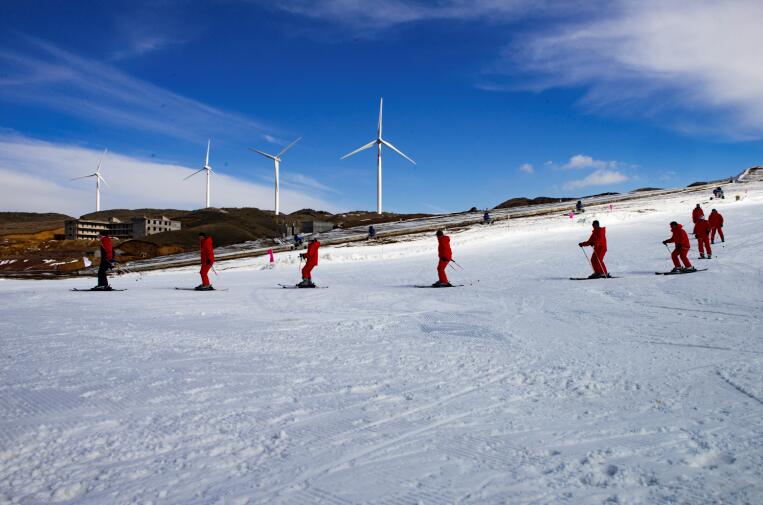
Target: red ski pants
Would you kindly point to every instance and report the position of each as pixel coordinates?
(204, 277)
(680, 252)
(720, 233)
(307, 269)
(597, 262)
(441, 265)
(704, 243)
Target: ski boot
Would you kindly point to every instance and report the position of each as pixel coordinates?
(203, 287)
(677, 270)
(440, 284)
(709, 256)
(701, 256)
(306, 283)
(102, 288)
(687, 270)
(596, 275)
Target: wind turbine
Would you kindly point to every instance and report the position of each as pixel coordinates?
(379, 142)
(98, 179)
(208, 170)
(277, 162)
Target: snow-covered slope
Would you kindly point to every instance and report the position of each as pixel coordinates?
(520, 387)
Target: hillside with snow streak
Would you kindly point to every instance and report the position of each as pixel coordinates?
(520, 387)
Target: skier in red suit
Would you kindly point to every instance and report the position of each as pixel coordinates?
(597, 240)
(446, 256)
(702, 234)
(312, 260)
(716, 225)
(681, 240)
(107, 258)
(207, 260)
(696, 213)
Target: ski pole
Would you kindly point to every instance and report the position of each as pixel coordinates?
(588, 260)
(459, 266)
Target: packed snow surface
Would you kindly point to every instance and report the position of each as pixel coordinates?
(519, 387)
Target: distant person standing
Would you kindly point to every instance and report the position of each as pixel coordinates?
(696, 213)
(371, 232)
(702, 234)
(207, 260)
(597, 240)
(445, 256)
(311, 256)
(486, 219)
(579, 207)
(716, 225)
(107, 258)
(681, 251)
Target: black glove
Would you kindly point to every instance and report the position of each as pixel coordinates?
(302, 255)
(665, 242)
(581, 244)
(721, 226)
(446, 260)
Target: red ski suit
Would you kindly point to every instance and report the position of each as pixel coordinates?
(107, 251)
(446, 256)
(702, 234)
(312, 259)
(207, 259)
(598, 240)
(695, 213)
(716, 225)
(681, 240)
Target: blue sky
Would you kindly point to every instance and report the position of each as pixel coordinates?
(492, 99)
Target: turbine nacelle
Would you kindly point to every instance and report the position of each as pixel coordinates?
(276, 163)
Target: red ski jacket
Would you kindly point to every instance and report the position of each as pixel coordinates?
(107, 251)
(598, 239)
(207, 251)
(696, 213)
(715, 219)
(312, 253)
(443, 248)
(702, 228)
(680, 238)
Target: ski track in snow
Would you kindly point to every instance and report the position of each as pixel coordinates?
(520, 387)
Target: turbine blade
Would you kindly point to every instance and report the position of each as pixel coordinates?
(98, 170)
(264, 154)
(196, 172)
(84, 177)
(367, 146)
(206, 158)
(398, 151)
(288, 147)
(381, 102)
(104, 180)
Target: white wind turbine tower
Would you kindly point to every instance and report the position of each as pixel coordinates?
(379, 142)
(208, 170)
(277, 162)
(98, 179)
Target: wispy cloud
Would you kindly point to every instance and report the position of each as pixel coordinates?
(527, 168)
(598, 178)
(676, 61)
(36, 177)
(381, 14)
(54, 78)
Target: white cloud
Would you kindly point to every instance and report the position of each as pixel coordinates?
(527, 168)
(679, 58)
(581, 161)
(49, 76)
(598, 178)
(380, 14)
(36, 178)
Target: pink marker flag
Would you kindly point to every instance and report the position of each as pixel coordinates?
(270, 252)
(571, 214)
